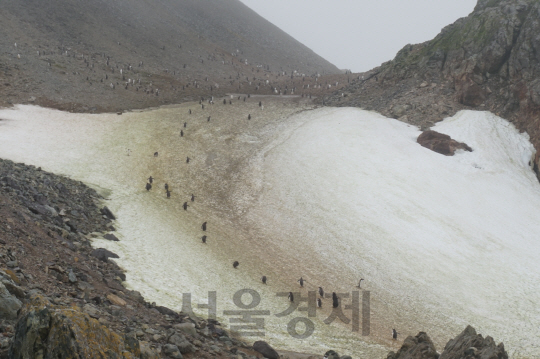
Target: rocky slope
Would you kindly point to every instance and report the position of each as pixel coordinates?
(487, 61)
(59, 297)
(100, 55)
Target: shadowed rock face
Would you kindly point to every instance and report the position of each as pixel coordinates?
(49, 332)
(489, 60)
(467, 345)
(441, 143)
(418, 347)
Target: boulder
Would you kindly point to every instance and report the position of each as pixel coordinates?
(172, 351)
(441, 143)
(116, 299)
(111, 237)
(331, 354)
(47, 331)
(469, 344)
(265, 349)
(103, 254)
(9, 304)
(186, 328)
(418, 347)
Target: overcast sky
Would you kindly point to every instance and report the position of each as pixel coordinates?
(361, 34)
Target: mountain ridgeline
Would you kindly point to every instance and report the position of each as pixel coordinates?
(77, 55)
(489, 60)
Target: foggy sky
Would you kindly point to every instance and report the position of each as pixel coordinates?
(360, 34)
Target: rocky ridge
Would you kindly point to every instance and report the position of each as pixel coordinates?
(486, 61)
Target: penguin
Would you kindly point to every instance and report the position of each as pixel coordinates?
(335, 300)
(291, 297)
(394, 334)
(202, 106)
(203, 239)
(166, 187)
(181, 133)
(263, 279)
(190, 111)
(208, 120)
(187, 160)
(360, 282)
(235, 264)
(260, 103)
(185, 124)
(192, 198)
(301, 281)
(150, 179)
(321, 292)
(156, 154)
(168, 193)
(148, 186)
(249, 117)
(319, 302)
(224, 101)
(204, 226)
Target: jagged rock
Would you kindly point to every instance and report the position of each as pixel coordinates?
(107, 212)
(45, 331)
(469, 344)
(9, 304)
(167, 311)
(14, 289)
(418, 347)
(265, 349)
(103, 254)
(72, 277)
(441, 143)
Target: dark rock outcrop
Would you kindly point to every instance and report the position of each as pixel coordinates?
(469, 344)
(49, 332)
(265, 349)
(103, 254)
(488, 60)
(418, 347)
(441, 143)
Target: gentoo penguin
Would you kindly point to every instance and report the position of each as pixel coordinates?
(150, 179)
(235, 264)
(301, 281)
(208, 120)
(203, 226)
(224, 101)
(249, 117)
(319, 302)
(291, 297)
(156, 154)
(321, 292)
(335, 300)
(263, 279)
(260, 103)
(166, 186)
(394, 334)
(203, 239)
(185, 124)
(181, 133)
(148, 186)
(185, 206)
(192, 198)
(360, 282)
(168, 193)
(187, 160)
(190, 111)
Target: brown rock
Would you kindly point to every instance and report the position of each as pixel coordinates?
(469, 344)
(441, 143)
(116, 299)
